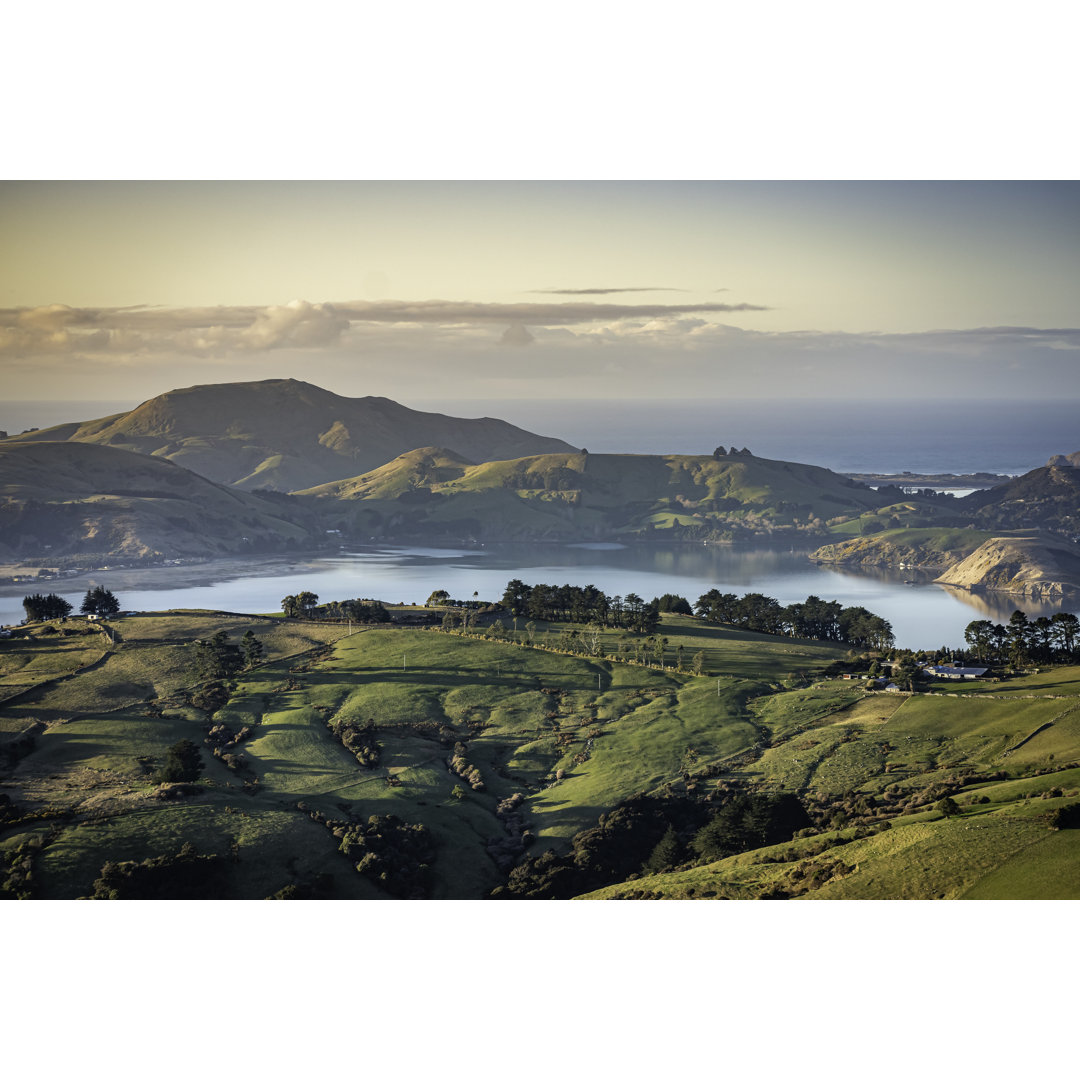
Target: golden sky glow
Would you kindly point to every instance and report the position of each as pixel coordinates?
(488, 289)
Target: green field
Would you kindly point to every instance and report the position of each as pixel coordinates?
(477, 739)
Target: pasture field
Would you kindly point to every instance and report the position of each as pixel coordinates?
(436, 762)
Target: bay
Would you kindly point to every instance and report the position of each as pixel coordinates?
(923, 615)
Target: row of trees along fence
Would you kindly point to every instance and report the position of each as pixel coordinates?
(581, 604)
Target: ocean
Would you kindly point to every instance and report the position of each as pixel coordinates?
(882, 434)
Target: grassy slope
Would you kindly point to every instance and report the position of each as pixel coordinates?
(524, 714)
(509, 705)
(843, 742)
(84, 498)
(564, 494)
(287, 434)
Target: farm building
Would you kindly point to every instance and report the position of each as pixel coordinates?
(944, 672)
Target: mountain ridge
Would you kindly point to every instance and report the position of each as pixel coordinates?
(285, 434)
(76, 498)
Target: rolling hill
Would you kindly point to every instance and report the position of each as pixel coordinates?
(1027, 565)
(432, 491)
(1046, 498)
(514, 764)
(284, 434)
(60, 498)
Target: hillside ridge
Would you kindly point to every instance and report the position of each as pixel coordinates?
(284, 434)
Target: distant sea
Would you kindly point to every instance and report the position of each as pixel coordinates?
(883, 434)
(880, 435)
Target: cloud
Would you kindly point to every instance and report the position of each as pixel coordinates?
(516, 334)
(463, 348)
(57, 328)
(606, 292)
(297, 323)
(463, 311)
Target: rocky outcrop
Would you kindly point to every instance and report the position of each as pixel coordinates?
(1066, 460)
(1027, 567)
(896, 552)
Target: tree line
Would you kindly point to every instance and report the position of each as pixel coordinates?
(1023, 640)
(820, 620)
(41, 608)
(581, 604)
(306, 605)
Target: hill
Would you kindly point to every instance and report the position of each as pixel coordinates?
(60, 498)
(1046, 498)
(1028, 566)
(434, 492)
(519, 763)
(284, 434)
(1071, 460)
(917, 549)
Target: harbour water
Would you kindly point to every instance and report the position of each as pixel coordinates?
(922, 615)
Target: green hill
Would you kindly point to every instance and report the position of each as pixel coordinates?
(517, 761)
(560, 496)
(61, 499)
(284, 434)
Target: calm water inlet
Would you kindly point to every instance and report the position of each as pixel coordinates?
(922, 616)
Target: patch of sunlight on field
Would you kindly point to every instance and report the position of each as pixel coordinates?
(929, 860)
(972, 716)
(1047, 870)
(28, 661)
(640, 752)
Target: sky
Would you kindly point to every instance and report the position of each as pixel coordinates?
(479, 290)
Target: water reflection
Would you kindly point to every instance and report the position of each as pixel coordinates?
(923, 615)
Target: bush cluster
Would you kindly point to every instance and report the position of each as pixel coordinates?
(223, 741)
(504, 850)
(187, 875)
(460, 765)
(391, 852)
(359, 740)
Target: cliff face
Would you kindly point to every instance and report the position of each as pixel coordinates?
(1022, 566)
(920, 549)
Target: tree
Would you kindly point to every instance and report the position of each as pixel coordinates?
(978, 635)
(307, 602)
(39, 608)
(99, 601)
(668, 852)
(437, 598)
(947, 807)
(659, 645)
(251, 648)
(290, 606)
(719, 452)
(698, 663)
(1019, 633)
(217, 658)
(678, 604)
(182, 765)
(1066, 629)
